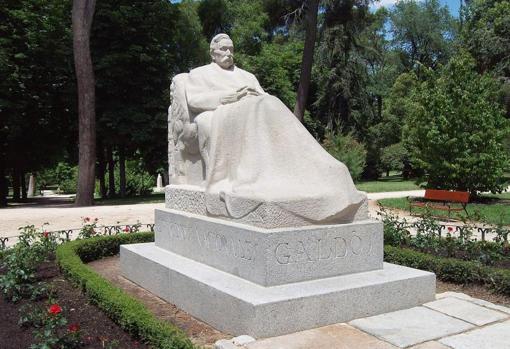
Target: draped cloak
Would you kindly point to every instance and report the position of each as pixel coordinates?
(260, 153)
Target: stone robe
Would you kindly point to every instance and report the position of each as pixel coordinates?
(260, 153)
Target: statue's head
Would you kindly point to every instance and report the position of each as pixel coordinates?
(222, 51)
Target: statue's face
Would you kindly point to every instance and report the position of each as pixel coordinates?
(223, 54)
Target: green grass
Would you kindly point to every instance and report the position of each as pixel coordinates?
(495, 211)
(385, 184)
(146, 199)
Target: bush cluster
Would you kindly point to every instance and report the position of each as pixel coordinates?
(125, 310)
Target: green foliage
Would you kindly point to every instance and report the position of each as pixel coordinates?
(341, 74)
(393, 157)
(347, 150)
(277, 67)
(456, 131)
(52, 330)
(422, 32)
(427, 237)
(19, 279)
(138, 181)
(450, 269)
(126, 311)
(486, 34)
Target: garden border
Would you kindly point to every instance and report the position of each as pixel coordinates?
(130, 314)
(451, 269)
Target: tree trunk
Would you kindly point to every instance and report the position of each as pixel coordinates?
(23, 181)
(101, 169)
(16, 195)
(306, 63)
(3, 186)
(82, 15)
(111, 171)
(122, 172)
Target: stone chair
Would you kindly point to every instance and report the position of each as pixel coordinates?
(186, 165)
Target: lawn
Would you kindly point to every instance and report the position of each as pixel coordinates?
(495, 210)
(393, 182)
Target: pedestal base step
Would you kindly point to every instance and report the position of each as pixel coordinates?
(237, 306)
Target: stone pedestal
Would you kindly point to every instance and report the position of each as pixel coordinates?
(244, 279)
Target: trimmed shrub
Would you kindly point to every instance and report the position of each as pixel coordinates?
(123, 309)
(451, 269)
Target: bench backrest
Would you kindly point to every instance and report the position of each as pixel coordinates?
(446, 195)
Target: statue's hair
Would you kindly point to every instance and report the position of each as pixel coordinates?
(217, 38)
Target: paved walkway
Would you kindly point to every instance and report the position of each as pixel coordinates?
(452, 321)
(62, 215)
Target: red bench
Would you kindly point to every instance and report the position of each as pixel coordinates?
(442, 200)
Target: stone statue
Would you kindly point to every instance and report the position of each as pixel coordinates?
(245, 150)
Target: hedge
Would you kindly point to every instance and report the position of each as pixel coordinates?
(451, 269)
(126, 311)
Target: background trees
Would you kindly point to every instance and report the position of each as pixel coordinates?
(456, 129)
(372, 73)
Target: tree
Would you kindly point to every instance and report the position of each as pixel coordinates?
(422, 32)
(83, 13)
(312, 7)
(341, 75)
(36, 84)
(486, 34)
(456, 131)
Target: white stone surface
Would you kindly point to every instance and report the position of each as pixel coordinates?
(465, 310)
(243, 340)
(272, 256)
(31, 187)
(159, 182)
(496, 336)
(252, 149)
(191, 198)
(411, 326)
(225, 344)
(237, 306)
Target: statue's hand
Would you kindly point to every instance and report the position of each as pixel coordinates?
(239, 94)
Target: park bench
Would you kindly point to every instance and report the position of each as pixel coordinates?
(441, 200)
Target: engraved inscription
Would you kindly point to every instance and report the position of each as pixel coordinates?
(213, 241)
(323, 248)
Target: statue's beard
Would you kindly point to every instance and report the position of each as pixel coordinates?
(225, 61)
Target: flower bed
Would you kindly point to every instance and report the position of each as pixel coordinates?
(123, 309)
(44, 310)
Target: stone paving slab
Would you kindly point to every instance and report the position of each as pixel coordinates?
(495, 336)
(416, 328)
(412, 326)
(338, 336)
(430, 345)
(481, 302)
(465, 310)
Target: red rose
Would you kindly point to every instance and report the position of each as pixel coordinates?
(450, 229)
(126, 229)
(55, 309)
(74, 328)
(46, 234)
(86, 219)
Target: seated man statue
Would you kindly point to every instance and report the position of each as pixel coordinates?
(255, 150)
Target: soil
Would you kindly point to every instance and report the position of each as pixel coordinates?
(97, 330)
